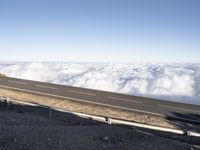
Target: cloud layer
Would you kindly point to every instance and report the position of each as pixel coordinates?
(176, 82)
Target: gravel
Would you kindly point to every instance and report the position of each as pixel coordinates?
(26, 128)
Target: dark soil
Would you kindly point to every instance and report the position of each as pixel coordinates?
(29, 128)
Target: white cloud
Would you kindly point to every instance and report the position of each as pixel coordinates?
(178, 82)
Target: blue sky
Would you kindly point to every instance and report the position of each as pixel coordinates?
(100, 30)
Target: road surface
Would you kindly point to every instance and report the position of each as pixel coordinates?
(186, 112)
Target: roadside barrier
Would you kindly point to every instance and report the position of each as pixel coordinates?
(104, 119)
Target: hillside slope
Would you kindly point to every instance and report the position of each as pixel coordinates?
(2, 75)
(25, 127)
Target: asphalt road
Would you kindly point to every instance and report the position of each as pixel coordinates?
(182, 111)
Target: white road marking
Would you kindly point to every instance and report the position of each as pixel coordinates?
(81, 92)
(17, 82)
(122, 99)
(82, 100)
(47, 87)
(178, 108)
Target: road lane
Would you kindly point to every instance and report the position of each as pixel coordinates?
(122, 99)
(17, 82)
(116, 100)
(86, 93)
(47, 87)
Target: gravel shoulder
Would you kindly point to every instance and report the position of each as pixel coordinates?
(92, 109)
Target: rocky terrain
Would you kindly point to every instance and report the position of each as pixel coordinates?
(29, 128)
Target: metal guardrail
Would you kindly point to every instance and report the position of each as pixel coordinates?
(104, 119)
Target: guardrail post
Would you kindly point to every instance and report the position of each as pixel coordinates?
(108, 120)
(50, 112)
(8, 103)
(188, 133)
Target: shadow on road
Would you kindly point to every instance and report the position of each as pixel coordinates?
(192, 121)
